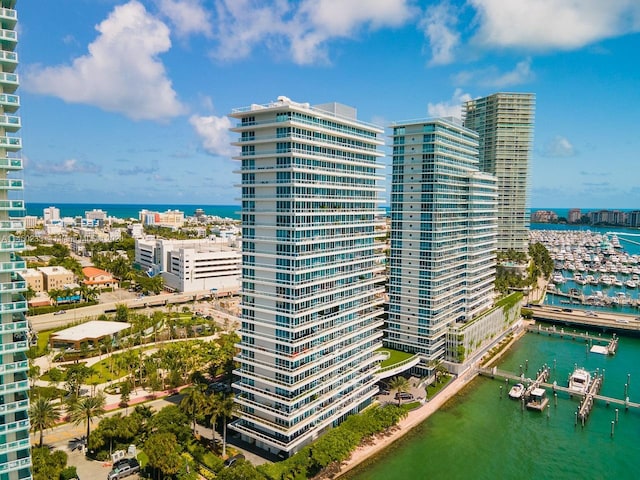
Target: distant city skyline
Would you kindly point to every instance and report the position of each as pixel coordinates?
(149, 125)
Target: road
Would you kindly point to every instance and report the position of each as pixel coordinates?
(578, 317)
(49, 321)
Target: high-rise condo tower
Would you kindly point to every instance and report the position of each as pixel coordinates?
(312, 285)
(504, 122)
(15, 459)
(443, 234)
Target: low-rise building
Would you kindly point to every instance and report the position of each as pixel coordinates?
(96, 277)
(170, 218)
(544, 216)
(55, 278)
(191, 265)
(34, 279)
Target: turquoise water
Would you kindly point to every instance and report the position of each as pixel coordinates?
(480, 435)
(121, 210)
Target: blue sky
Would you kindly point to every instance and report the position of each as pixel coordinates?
(127, 101)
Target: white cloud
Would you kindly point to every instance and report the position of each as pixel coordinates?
(214, 133)
(553, 24)
(492, 77)
(439, 27)
(121, 73)
(188, 16)
(305, 27)
(70, 165)
(452, 108)
(559, 147)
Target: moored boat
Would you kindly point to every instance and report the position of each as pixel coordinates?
(579, 381)
(516, 391)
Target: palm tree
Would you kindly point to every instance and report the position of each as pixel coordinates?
(399, 384)
(43, 414)
(86, 409)
(194, 402)
(227, 408)
(212, 408)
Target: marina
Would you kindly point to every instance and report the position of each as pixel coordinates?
(479, 412)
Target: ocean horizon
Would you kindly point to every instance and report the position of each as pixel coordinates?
(131, 210)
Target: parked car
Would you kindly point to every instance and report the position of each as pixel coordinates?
(231, 461)
(125, 469)
(60, 312)
(403, 396)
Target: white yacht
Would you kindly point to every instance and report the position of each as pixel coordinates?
(516, 391)
(579, 381)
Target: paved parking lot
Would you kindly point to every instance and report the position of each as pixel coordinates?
(89, 469)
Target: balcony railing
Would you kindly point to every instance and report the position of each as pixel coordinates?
(14, 406)
(13, 446)
(8, 14)
(11, 143)
(15, 465)
(13, 266)
(14, 326)
(10, 102)
(20, 306)
(15, 246)
(19, 286)
(21, 346)
(10, 122)
(10, 35)
(14, 367)
(11, 225)
(11, 163)
(14, 387)
(8, 57)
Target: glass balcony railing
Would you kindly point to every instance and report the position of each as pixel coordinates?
(20, 306)
(11, 246)
(11, 143)
(8, 14)
(15, 367)
(10, 122)
(11, 183)
(20, 405)
(14, 387)
(14, 446)
(19, 286)
(19, 326)
(21, 346)
(10, 102)
(10, 35)
(13, 266)
(11, 163)
(15, 465)
(9, 81)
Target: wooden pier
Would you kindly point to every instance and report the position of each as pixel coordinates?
(495, 373)
(611, 343)
(586, 404)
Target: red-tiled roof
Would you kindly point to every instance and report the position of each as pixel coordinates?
(91, 272)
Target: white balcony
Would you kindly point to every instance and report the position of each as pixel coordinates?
(11, 123)
(20, 306)
(14, 287)
(8, 16)
(8, 60)
(21, 326)
(14, 446)
(8, 163)
(21, 386)
(8, 37)
(15, 465)
(12, 246)
(10, 103)
(14, 367)
(21, 346)
(9, 81)
(11, 225)
(10, 143)
(11, 183)
(15, 426)
(20, 405)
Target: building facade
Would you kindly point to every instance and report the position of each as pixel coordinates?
(56, 278)
(15, 458)
(575, 215)
(504, 122)
(191, 265)
(443, 236)
(312, 284)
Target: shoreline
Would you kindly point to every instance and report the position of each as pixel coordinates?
(415, 417)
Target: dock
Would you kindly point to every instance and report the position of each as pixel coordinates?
(496, 373)
(586, 404)
(611, 343)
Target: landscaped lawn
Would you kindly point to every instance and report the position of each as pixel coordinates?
(395, 356)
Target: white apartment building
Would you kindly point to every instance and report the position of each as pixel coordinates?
(51, 215)
(170, 218)
(15, 447)
(191, 265)
(443, 236)
(504, 122)
(312, 285)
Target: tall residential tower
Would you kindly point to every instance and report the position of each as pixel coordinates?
(443, 230)
(504, 122)
(15, 460)
(312, 285)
